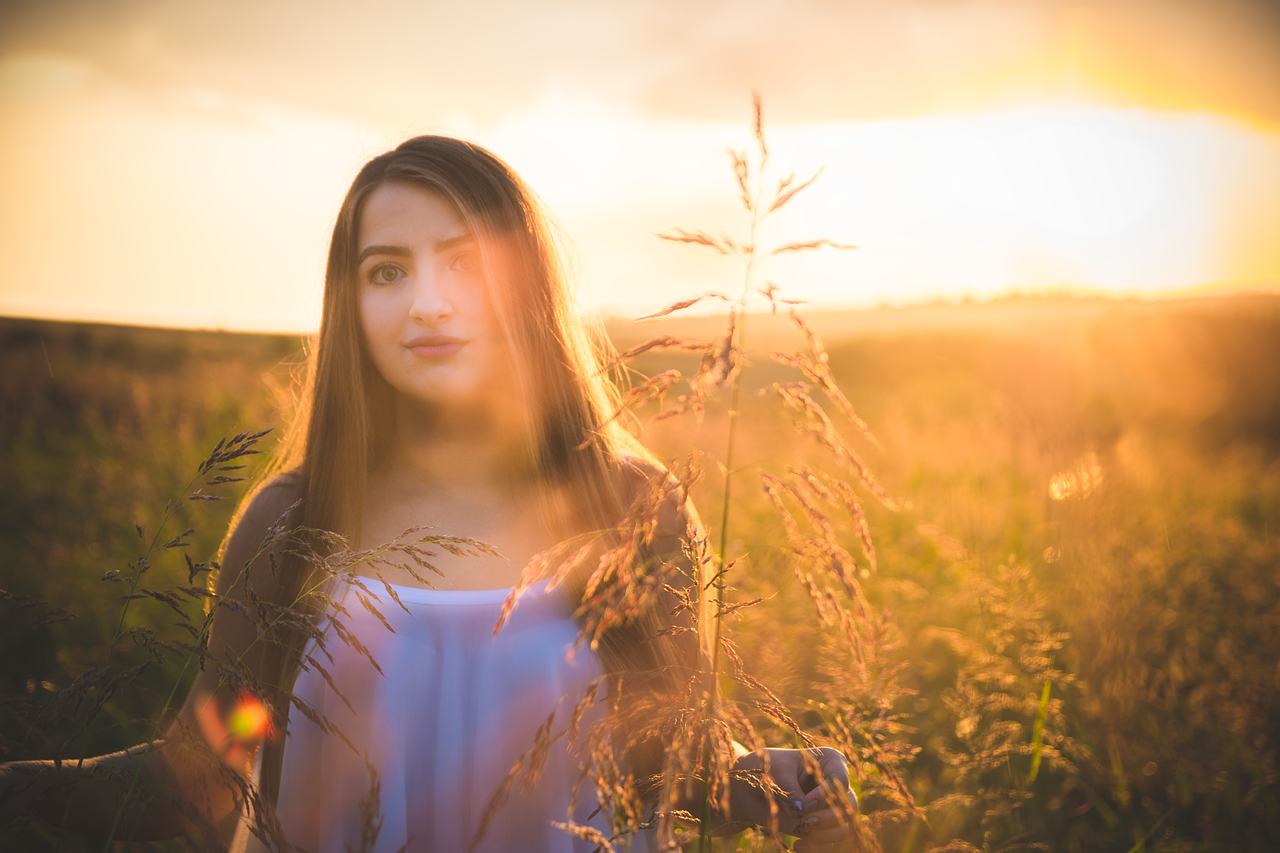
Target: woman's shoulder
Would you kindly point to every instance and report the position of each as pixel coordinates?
(637, 471)
(637, 478)
(267, 513)
(273, 502)
(645, 482)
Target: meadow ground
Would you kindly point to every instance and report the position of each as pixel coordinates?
(1075, 611)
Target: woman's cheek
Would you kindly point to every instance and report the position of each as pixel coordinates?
(381, 332)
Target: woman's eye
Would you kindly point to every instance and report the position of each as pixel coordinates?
(386, 274)
(466, 262)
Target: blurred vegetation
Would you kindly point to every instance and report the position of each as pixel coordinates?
(1089, 493)
(1091, 497)
(102, 430)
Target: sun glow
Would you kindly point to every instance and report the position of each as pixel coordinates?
(1081, 198)
(1087, 198)
(211, 211)
(1067, 176)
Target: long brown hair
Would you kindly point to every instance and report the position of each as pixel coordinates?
(344, 423)
(571, 433)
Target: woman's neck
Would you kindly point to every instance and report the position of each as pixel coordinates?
(471, 477)
(476, 449)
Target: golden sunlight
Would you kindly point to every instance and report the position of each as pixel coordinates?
(980, 513)
(200, 208)
(1122, 201)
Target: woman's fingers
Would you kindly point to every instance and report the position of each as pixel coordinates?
(822, 826)
(774, 797)
(830, 806)
(836, 801)
(806, 845)
(827, 777)
(803, 793)
(826, 767)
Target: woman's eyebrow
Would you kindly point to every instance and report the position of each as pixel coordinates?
(397, 251)
(447, 244)
(401, 252)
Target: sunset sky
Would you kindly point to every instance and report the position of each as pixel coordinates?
(179, 162)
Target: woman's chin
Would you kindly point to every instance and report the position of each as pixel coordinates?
(456, 405)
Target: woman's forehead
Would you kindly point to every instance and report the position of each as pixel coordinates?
(408, 212)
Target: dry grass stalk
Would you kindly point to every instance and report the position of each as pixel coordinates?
(696, 756)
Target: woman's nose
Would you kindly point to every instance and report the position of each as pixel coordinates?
(431, 303)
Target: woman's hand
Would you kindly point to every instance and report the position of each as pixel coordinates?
(815, 801)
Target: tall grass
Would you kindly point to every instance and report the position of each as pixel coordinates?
(1064, 636)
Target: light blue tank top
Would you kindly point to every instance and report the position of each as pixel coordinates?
(453, 709)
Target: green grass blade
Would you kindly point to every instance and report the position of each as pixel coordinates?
(1037, 733)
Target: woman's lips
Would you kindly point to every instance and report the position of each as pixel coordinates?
(435, 346)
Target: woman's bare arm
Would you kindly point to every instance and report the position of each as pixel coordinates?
(193, 778)
(135, 793)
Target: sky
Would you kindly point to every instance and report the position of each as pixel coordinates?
(179, 162)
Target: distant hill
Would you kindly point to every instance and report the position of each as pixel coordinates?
(1210, 363)
(1060, 317)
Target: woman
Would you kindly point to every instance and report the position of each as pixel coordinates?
(454, 387)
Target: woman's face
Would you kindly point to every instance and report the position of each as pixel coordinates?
(425, 309)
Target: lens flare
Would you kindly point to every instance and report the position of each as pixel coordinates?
(235, 734)
(249, 721)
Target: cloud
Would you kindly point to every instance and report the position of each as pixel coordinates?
(32, 78)
(815, 60)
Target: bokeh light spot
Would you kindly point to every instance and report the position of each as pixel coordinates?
(249, 720)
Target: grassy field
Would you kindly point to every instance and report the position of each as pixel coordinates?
(1081, 577)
